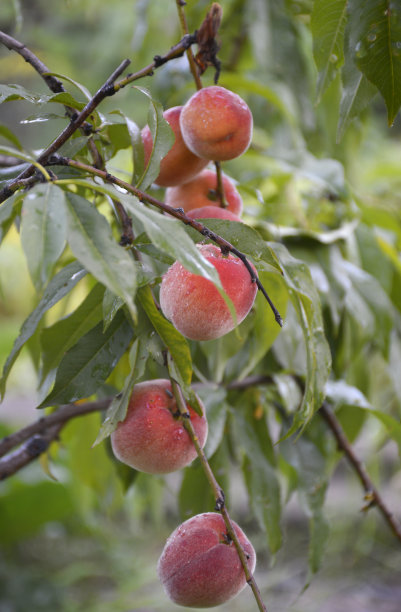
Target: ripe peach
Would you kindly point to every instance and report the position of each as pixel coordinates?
(216, 124)
(180, 164)
(194, 305)
(199, 566)
(212, 212)
(152, 437)
(201, 191)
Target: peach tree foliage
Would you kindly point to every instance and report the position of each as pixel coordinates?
(328, 258)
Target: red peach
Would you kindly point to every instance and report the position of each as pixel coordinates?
(201, 191)
(216, 124)
(194, 305)
(199, 566)
(180, 164)
(152, 437)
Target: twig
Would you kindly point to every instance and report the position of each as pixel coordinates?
(372, 494)
(220, 185)
(217, 492)
(75, 123)
(224, 245)
(61, 416)
(184, 29)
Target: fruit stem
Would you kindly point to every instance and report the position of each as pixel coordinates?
(220, 185)
(184, 29)
(218, 493)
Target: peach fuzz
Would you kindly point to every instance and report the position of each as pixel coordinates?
(212, 212)
(152, 437)
(180, 164)
(201, 191)
(194, 305)
(199, 566)
(216, 124)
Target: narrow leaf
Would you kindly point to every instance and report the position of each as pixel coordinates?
(92, 242)
(57, 339)
(58, 287)
(43, 231)
(163, 140)
(328, 23)
(174, 341)
(89, 362)
(375, 38)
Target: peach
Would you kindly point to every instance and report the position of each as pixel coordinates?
(194, 305)
(201, 191)
(216, 124)
(212, 212)
(180, 164)
(152, 437)
(199, 566)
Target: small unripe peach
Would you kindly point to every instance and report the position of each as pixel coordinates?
(200, 567)
(194, 305)
(202, 191)
(212, 212)
(152, 437)
(180, 164)
(216, 124)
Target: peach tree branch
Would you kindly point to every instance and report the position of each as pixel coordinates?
(218, 492)
(178, 213)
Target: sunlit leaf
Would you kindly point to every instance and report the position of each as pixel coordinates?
(90, 238)
(43, 231)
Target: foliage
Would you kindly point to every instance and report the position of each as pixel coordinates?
(321, 190)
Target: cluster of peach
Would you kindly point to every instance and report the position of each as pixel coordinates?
(215, 124)
(199, 566)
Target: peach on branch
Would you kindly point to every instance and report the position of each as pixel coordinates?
(152, 437)
(199, 566)
(216, 124)
(194, 305)
(180, 164)
(202, 191)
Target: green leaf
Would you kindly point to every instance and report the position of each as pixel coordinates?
(137, 147)
(328, 23)
(216, 410)
(79, 86)
(260, 474)
(117, 410)
(306, 302)
(89, 362)
(375, 40)
(319, 534)
(265, 329)
(163, 140)
(170, 237)
(111, 305)
(8, 213)
(90, 238)
(356, 95)
(174, 341)
(16, 92)
(5, 132)
(242, 237)
(58, 287)
(57, 339)
(43, 231)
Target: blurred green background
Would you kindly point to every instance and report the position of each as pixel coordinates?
(90, 540)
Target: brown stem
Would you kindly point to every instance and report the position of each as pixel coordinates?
(184, 29)
(217, 492)
(76, 122)
(60, 416)
(175, 212)
(373, 496)
(220, 185)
